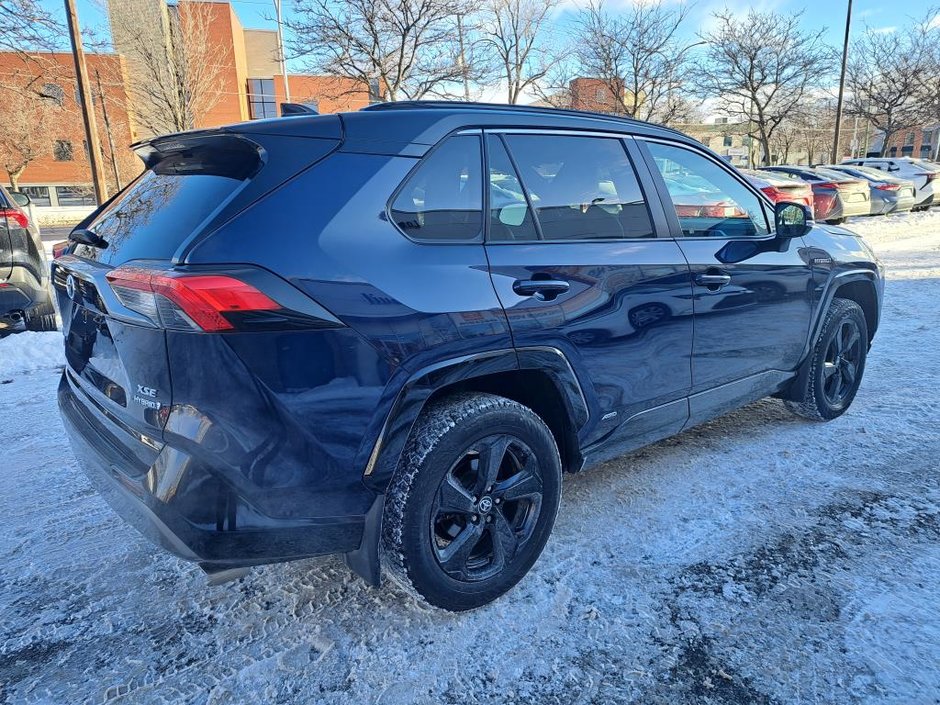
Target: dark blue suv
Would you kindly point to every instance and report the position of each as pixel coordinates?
(388, 333)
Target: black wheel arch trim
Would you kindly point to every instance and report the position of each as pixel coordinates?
(384, 453)
(833, 284)
(419, 386)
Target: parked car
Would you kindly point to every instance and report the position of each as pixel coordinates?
(921, 171)
(836, 196)
(781, 187)
(303, 336)
(25, 296)
(888, 194)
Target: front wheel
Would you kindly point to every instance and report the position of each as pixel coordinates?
(472, 502)
(836, 365)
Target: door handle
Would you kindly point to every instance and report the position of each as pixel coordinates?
(545, 289)
(713, 280)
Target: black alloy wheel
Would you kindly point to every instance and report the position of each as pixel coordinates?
(841, 362)
(486, 508)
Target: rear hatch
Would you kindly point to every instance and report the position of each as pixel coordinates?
(120, 285)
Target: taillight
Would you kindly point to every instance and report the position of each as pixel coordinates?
(16, 215)
(183, 301)
(887, 187)
(823, 204)
(59, 248)
(826, 185)
(931, 175)
(774, 194)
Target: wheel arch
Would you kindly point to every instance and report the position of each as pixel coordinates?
(862, 291)
(540, 378)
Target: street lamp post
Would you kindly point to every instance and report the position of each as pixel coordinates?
(280, 51)
(845, 57)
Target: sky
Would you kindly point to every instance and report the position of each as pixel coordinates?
(878, 15)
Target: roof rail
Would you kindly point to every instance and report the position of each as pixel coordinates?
(470, 105)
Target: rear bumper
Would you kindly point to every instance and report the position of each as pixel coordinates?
(20, 292)
(187, 511)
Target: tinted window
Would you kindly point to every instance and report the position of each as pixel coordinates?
(582, 188)
(510, 217)
(709, 201)
(164, 206)
(443, 197)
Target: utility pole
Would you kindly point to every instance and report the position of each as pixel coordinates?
(280, 51)
(845, 58)
(88, 107)
(463, 58)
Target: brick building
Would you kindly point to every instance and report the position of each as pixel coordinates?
(921, 142)
(247, 74)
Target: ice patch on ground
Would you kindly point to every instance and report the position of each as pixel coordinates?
(30, 351)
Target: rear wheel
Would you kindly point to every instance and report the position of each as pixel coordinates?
(473, 501)
(837, 364)
(835, 221)
(41, 317)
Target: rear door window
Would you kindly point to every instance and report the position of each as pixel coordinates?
(510, 216)
(582, 188)
(442, 199)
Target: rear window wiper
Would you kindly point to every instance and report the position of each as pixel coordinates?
(86, 236)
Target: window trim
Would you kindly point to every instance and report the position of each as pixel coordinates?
(479, 239)
(673, 218)
(622, 137)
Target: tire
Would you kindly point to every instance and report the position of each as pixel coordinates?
(431, 543)
(837, 364)
(835, 221)
(41, 318)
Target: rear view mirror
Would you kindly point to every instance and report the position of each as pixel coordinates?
(20, 199)
(792, 220)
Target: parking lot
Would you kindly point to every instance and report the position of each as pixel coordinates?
(757, 559)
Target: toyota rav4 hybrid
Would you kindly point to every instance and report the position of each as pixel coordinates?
(389, 333)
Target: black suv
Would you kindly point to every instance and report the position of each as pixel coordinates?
(388, 333)
(25, 297)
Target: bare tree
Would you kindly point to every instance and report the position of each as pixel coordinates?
(25, 134)
(28, 26)
(637, 56)
(516, 32)
(761, 67)
(398, 48)
(887, 80)
(178, 77)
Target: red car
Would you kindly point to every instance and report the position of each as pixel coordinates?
(780, 187)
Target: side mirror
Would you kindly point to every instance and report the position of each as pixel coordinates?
(792, 220)
(20, 199)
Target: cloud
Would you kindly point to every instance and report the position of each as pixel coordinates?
(934, 23)
(883, 30)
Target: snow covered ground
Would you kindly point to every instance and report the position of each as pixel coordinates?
(756, 559)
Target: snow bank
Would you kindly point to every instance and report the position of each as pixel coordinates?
(29, 351)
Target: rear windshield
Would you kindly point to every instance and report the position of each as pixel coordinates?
(167, 203)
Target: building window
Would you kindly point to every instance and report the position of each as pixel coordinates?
(925, 151)
(893, 152)
(39, 195)
(728, 141)
(62, 151)
(261, 100)
(910, 138)
(52, 92)
(74, 196)
(721, 121)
